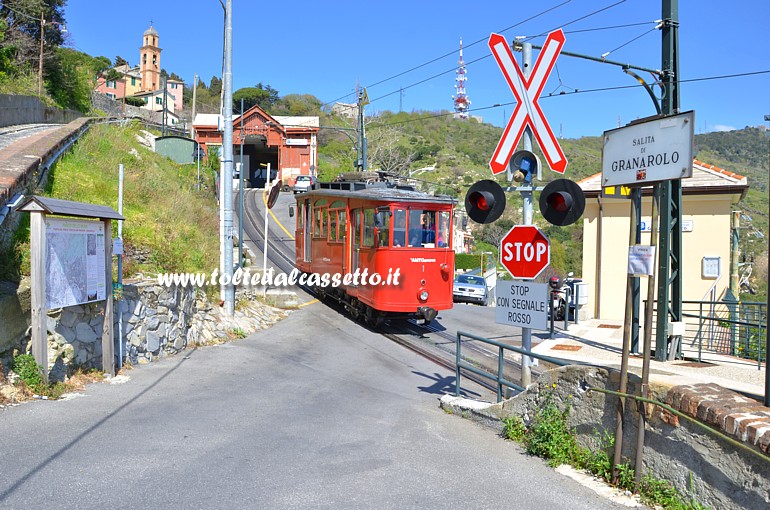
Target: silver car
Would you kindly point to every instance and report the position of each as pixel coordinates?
(304, 183)
(470, 288)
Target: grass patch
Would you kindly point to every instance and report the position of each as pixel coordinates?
(30, 382)
(169, 225)
(549, 436)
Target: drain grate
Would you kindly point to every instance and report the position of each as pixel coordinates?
(609, 326)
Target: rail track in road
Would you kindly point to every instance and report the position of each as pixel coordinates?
(415, 340)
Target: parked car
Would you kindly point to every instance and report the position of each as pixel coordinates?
(304, 183)
(470, 288)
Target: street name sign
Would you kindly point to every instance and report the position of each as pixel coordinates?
(522, 304)
(655, 150)
(525, 251)
(527, 93)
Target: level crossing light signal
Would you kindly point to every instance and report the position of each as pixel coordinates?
(562, 202)
(524, 165)
(485, 201)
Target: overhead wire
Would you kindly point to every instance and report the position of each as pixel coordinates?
(454, 68)
(420, 66)
(582, 91)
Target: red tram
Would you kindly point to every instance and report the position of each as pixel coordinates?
(402, 236)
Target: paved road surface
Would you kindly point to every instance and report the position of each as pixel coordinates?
(312, 413)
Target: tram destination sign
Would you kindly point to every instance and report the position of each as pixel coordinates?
(649, 151)
(521, 303)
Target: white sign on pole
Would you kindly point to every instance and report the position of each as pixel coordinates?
(522, 304)
(655, 150)
(641, 259)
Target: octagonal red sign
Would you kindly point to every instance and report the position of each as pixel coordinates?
(525, 251)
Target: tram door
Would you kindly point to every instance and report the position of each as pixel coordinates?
(307, 233)
(355, 239)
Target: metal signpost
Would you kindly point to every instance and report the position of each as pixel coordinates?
(532, 254)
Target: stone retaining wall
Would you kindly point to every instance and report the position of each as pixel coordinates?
(715, 472)
(157, 321)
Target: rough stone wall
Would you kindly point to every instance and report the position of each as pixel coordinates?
(115, 108)
(715, 472)
(157, 321)
(15, 110)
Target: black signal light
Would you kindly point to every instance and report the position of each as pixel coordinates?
(485, 201)
(562, 202)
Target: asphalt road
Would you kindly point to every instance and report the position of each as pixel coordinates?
(312, 413)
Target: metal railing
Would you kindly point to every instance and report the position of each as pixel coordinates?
(499, 378)
(733, 328)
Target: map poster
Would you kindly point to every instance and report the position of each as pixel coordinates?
(74, 266)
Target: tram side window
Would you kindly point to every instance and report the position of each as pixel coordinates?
(422, 228)
(399, 228)
(444, 232)
(333, 225)
(368, 239)
(320, 222)
(382, 222)
(341, 225)
(300, 215)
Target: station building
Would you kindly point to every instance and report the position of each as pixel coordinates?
(709, 198)
(287, 145)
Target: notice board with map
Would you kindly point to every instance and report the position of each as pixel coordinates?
(75, 261)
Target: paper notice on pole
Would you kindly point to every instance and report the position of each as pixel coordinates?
(641, 260)
(75, 271)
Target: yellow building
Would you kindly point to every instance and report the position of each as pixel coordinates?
(708, 199)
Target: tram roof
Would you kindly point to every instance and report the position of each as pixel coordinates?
(383, 194)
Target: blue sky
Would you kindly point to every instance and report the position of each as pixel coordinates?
(405, 53)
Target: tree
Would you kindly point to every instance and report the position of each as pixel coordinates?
(22, 34)
(215, 86)
(388, 151)
(120, 61)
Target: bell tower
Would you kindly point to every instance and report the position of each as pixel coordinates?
(149, 60)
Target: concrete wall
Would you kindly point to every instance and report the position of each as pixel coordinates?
(699, 464)
(15, 110)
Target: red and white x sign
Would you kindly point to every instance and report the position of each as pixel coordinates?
(527, 111)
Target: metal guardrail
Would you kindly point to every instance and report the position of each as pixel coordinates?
(460, 364)
(733, 328)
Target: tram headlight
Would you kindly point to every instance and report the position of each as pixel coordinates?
(423, 295)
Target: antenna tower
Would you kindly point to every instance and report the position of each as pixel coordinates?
(461, 101)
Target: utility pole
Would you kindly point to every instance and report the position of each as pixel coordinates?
(40, 63)
(767, 310)
(195, 92)
(227, 160)
(163, 115)
(669, 283)
(240, 197)
(526, 196)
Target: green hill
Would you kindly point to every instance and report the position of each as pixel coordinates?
(169, 227)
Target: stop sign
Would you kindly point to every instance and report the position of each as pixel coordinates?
(525, 251)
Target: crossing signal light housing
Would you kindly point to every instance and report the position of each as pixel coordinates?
(485, 201)
(562, 202)
(524, 165)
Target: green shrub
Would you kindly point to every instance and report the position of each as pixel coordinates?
(513, 428)
(29, 371)
(550, 437)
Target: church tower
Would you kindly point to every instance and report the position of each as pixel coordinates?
(149, 61)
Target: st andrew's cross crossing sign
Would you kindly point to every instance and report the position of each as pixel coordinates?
(527, 111)
(525, 251)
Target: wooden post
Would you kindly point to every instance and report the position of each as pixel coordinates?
(38, 276)
(108, 341)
